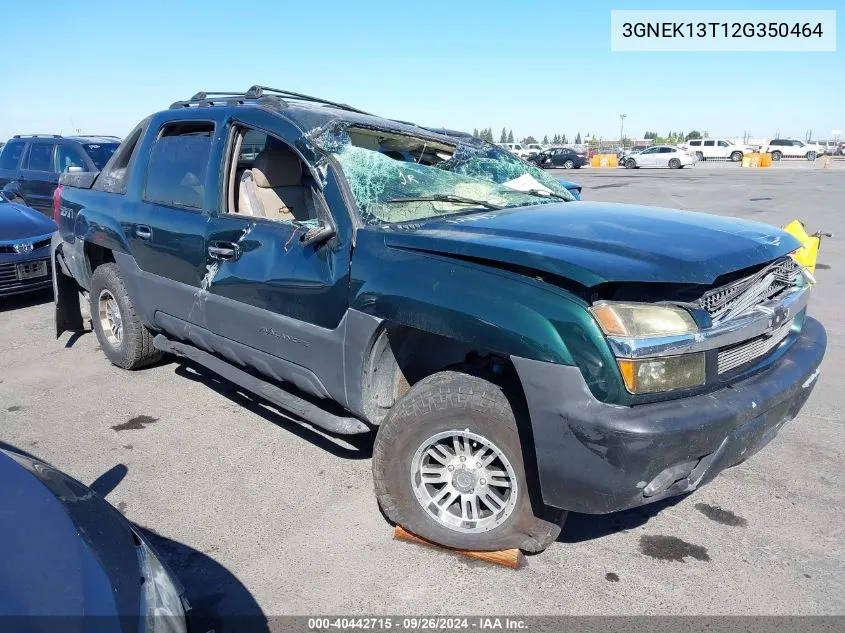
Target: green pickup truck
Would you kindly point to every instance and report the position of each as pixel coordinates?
(520, 354)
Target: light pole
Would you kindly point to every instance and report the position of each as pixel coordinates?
(622, 130)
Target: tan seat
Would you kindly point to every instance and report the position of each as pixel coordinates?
(273, 187)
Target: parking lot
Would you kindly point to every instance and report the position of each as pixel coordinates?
(261, 516)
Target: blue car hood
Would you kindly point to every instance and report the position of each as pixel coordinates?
(18, 222)
(63, 549)
(592, 242)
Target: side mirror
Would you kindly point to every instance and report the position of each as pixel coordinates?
(317, 234)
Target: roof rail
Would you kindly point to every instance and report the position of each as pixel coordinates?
(37, 136)
(265, 96)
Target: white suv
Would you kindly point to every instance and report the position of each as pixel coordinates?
(517, 149)
(706, 148)
(790, 148)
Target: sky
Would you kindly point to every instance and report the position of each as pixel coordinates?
(537, 67)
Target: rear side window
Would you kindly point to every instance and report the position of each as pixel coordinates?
(10, 156)
(40, 157)
(178, 165)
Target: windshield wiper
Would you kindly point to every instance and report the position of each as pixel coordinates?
(543, 194)
(447, 197)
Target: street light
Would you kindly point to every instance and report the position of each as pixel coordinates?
(622, 130)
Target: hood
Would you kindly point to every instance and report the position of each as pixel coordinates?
(63, 549)
(592, 242)
(19, 222)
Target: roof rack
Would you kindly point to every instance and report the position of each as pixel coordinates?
(37, 136)
(264, 95)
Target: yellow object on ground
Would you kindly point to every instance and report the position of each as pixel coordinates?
(809, 251)
(604, 160)
(757, 160)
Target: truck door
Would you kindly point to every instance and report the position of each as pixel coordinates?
(165, 228)
(269, 290)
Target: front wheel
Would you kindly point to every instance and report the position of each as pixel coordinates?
(569, 164)
(448, 466)
(674, 164)
(630, 164)
(736, 157)
(122, 336)
(811, 156)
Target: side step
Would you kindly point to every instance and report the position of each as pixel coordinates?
(342, 425)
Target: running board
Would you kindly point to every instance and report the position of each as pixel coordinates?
(308, 411)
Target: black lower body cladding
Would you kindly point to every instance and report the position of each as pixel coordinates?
(597, 458)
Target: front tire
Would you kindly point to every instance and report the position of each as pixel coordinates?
(811, 156)
(736, 157)
(630, 164)
(122, 336)
(569, 164)
(448, 466)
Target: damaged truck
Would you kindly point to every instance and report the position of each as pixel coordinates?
(516, 354)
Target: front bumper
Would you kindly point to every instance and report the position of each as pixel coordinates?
(11, 285)
(597, 458)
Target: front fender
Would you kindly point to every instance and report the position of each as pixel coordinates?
(483, 306)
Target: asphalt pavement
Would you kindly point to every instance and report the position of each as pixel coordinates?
(261, 516)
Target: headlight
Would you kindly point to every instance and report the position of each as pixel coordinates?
(642, 320)
(161, 605)
(653, 375)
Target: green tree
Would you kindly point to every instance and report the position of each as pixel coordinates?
(529, 139)
(475, 132)
(503, 137)
(650, 135)
(545, 139)
(578, 138)
(564, 140)
(510, 136)
(487, 134)
(694, 134)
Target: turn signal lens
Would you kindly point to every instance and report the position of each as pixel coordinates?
(655, 375)
(643, 320)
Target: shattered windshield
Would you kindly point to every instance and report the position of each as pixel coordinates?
(396, 178)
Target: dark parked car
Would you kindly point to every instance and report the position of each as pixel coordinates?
(559, 157)
(24, 248)
(521, 356)
(30, 165)
(64, 551)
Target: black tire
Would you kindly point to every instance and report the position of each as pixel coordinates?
(674, 164)
(457, 401)
(811, 156)
(736, 156)
(776, 156)
(630, 164)
(699, 156)
(569, 164)
(135, 347)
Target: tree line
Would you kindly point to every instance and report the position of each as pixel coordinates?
(506, 136)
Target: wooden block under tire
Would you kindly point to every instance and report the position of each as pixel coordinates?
(506, 557)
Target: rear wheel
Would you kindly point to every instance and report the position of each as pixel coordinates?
(122, 336)
(736, 156)
(674, 164)
(448, 466)
(776, 155)
(699, 156)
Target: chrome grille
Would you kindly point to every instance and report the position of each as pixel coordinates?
(741, 296)
(737, 355)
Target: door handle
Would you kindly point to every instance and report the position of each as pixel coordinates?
(224, 250)
(143, 232)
